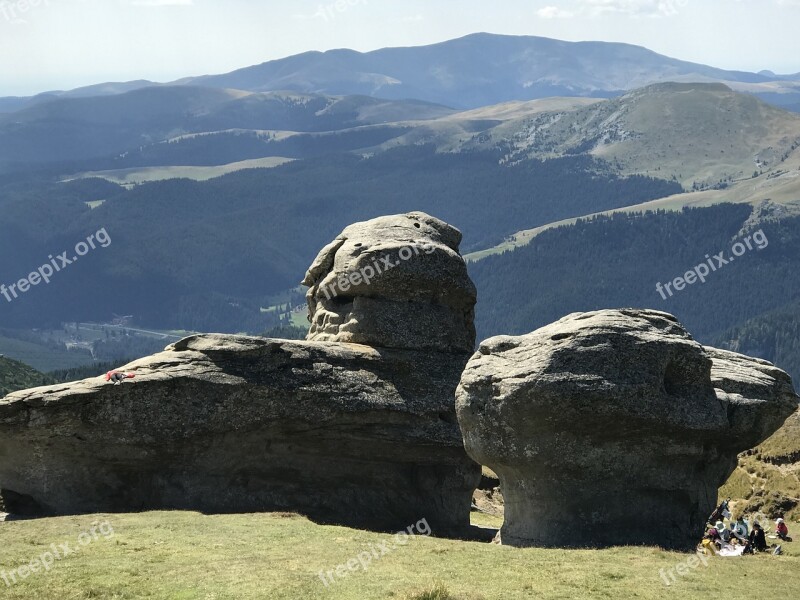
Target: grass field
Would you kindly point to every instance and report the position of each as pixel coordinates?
(300, 319)
(138, 175)
(180, 555)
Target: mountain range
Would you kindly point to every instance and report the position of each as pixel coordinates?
(469, 72)
(215, 189)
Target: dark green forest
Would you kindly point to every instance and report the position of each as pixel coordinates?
(613, 262)
(206, 256)
(774, 336)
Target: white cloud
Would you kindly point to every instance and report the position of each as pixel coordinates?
(554, 12)
(631, 8)
(637, 8)
(162, 2)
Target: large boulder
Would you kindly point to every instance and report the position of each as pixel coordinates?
(393, 282)
(345, 433)
(614, 427)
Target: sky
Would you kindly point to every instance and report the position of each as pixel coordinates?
(63, 44)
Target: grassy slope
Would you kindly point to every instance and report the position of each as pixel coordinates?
(701, 134)
(784, 191)
(696, 134)
(146, 174)
(15, 376)
(191, 556)
(774, 468)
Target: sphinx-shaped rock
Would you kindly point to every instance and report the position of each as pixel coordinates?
(345, 433)
(393, 282)
(614, 427)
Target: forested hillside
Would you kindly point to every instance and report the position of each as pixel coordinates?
(100, 128)
(618, 261)
(774, 336)
(15, 376)
(206, 256)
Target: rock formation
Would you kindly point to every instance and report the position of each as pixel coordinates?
(614, 427)
(363, 435)
(393, 282)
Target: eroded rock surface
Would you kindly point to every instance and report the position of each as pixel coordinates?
(345, 433)
(393, 282)
(614, 427)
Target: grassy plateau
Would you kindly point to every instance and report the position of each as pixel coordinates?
(182, 555)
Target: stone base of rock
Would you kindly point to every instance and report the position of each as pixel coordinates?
(591, 515)
(343, 433)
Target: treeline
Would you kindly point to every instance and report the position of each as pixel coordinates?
(617, 261)
(227, 147)
(85, 372)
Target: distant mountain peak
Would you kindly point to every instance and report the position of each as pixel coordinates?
(482, 69)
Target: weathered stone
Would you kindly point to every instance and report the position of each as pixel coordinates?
(754, 392)
(346, 433)
(393, 282)
(614, 427)
(341, 432)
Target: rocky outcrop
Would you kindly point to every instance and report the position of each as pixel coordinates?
(393, 282)
(345, 433)
(614, 427)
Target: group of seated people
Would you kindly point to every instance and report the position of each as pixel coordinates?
(737, 538)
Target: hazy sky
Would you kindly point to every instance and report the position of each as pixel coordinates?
(62, 44)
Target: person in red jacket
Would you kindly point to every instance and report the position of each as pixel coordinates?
(118, 376)
(781, 529)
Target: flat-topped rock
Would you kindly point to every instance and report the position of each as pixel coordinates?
(344, 433)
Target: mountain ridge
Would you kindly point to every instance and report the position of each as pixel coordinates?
(471, 71)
